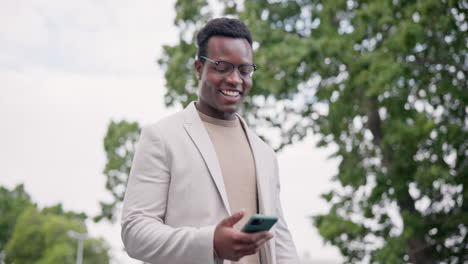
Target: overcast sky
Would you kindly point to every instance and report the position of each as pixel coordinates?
(69, 67)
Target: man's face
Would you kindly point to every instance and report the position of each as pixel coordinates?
(220, 94)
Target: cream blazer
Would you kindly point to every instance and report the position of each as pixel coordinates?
(175, 195)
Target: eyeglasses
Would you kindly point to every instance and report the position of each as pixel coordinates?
(225, 67)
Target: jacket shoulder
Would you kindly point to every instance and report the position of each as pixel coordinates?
(168, 123)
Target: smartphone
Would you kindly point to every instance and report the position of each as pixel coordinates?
(259, 222)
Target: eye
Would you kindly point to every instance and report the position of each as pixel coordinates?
(222, 66)
(246, 69)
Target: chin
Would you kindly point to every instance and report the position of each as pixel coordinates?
(229, 109)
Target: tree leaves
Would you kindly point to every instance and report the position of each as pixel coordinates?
(12, 203)
(30, 235)
(41, 237)
(119, 144)
(385, 82)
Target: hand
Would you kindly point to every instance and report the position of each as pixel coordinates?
(231, 244)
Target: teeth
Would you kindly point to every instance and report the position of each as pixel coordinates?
(230, 93)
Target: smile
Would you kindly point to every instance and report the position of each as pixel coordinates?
(230, 93)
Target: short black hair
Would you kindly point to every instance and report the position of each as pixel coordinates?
(228, 27)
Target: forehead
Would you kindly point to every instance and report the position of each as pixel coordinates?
(226, 48)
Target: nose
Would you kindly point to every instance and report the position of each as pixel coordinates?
(234, 77)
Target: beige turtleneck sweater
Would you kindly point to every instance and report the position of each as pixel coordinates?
(238, 168)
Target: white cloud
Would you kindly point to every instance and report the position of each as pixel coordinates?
(22, 25)
(117, 37)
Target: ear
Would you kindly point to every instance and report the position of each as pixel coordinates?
(199, 68)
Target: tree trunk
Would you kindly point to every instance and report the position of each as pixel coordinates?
(417, 248)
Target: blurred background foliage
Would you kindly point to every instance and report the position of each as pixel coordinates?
(384, 82)
(32, 235)
(119, 145)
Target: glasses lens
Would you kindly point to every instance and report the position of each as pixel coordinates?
(246, 70)
(224, 67)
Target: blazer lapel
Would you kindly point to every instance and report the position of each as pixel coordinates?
(263, 184)
(197, 132)
(261, 160)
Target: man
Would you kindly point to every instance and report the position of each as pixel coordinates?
(192, 170)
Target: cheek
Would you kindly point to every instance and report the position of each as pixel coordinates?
(210, 86)
(213, 81)
(248, 85)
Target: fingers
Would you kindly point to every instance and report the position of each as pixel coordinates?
(233, 219)
(252, 238)
(247, 251)
(231, 244)
(253, 247)
(262, 236)
(262, 241)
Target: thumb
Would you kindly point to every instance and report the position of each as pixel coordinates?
(233, 219)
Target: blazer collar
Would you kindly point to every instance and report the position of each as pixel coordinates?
(197, 132)
(262, 161)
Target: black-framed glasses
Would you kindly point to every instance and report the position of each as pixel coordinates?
(225, 67)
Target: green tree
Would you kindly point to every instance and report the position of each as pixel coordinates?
(12, 203)
(119, 145)
(382, 81)
(42, 237)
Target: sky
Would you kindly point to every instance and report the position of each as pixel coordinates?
(67, 68)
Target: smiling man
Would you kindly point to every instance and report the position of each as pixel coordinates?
(197, 176)
(226, 81)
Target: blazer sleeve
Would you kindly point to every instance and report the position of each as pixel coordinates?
(285, 250)
(145, 235)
